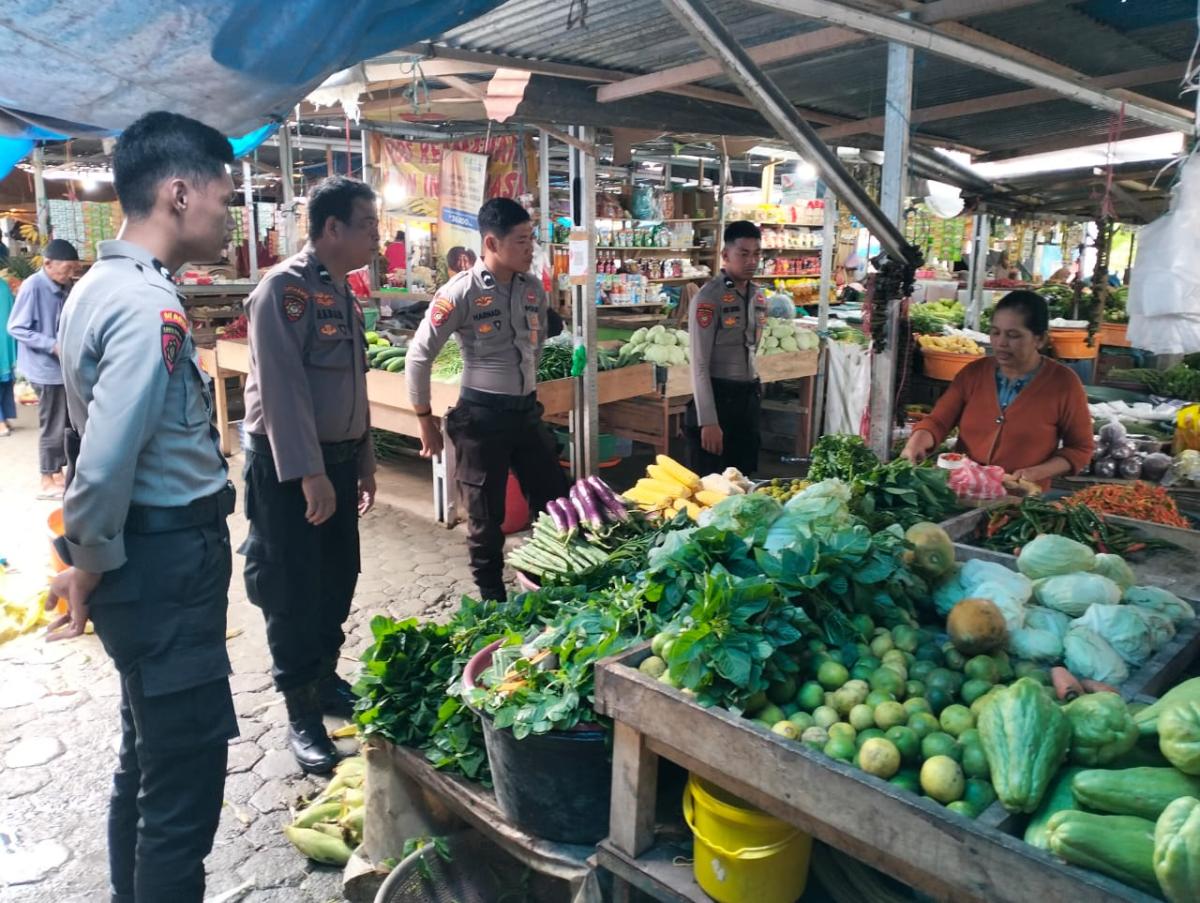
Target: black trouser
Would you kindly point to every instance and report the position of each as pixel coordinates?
(492, 433)
(302, 577)
(52, 425)
(161, 617)
(739, 405)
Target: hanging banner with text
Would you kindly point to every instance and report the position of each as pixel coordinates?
(461, 194)
(413, 168)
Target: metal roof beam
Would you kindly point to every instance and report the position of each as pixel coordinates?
(1006, 101)
(922, 37)
(790, 49)
(778, 110)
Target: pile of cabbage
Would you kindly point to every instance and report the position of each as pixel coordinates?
(781, 335)
(1068, 604)
(657, 345)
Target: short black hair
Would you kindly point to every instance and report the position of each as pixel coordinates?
(741, 228)
(334, 197)
(499, 216)
(1031, 306)
(160, 146)
(399, 235)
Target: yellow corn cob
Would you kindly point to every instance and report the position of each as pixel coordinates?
(669, 490)
(318, 846)
(640, 495)
(678, 471)
(661, 475)
(693, 510)
(680, 505)
(708, 498)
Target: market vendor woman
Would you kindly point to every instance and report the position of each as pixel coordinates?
(1016, 409)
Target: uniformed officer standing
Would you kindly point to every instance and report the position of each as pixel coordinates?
(145, 507)
(726, 321)
(498, 313)
(310, 467)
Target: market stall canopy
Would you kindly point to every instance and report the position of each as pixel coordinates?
(69, 68)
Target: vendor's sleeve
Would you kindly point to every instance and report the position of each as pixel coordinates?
(702, 335)
(126, 408)
(443, 318)
(277, 329)
(946, 413)
(1075, 429)
(23, 322)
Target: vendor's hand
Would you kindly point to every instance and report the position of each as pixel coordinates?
(712, 439)
(1029, 474)
(366, 494)
(918, 446)
(319, 494)
(76, 587)
(431, 437)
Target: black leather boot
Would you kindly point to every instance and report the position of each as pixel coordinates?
(307, 737)
(335, 695)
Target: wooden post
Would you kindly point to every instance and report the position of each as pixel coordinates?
(634, 787)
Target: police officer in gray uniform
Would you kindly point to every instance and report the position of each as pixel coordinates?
(725, 323)
(498, 313)
(310, 467)
(145, 507)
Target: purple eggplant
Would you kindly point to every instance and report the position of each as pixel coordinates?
(568, 512)
(608, 499)
(558, 516)
(591, 504)
(580, 505)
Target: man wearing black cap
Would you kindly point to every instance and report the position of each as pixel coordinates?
(34, 324)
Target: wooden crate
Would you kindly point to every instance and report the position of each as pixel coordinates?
(558, 395)
(771, 368)
(915, 840)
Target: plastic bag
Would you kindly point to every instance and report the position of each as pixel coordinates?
(1184, 470)
(1164, 290)
(977, 482)
(849, 388)
(1122, 628)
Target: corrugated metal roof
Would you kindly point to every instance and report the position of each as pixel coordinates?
(1096, 37)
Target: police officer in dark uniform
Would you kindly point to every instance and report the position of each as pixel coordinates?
(498, 313)
(310, 467)
(145, 507)
(724, 327)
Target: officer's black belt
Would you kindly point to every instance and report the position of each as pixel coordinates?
(336, 452)
(203, 511)
(734, 385)
(498, 402)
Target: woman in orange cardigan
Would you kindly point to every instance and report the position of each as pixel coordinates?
(1017, 409)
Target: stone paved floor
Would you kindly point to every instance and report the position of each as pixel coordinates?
(58, 703)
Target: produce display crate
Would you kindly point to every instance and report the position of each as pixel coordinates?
(677, 380)
(915, 840)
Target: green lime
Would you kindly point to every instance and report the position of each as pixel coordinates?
(861, 650)
(894, 657)
(660, 640)
(982, 667)
(920, 670)
(840, 748)
(756, 702)
(974, 762)
(888, 680)
(835, 655)
(973, 689)
(845, 699)
(802, 720)
(929, 652)
(831, 699)
(789, 709)
(862, 716)
(939, 744)
(771, 713)
(811, 695)
(842, 730)
(907, 741)
(881, 644)
(963, 808)
(914, 688)
(938, 698)
(824, 716)
(906, 638)
(816, 646)
(879, 757)
(907, 779)
(875, 697)
(970, 737)
(900, 668)
(653, 666)
(864, 736)
(869, 661)
(979, 794)
(863, 624)
(978, 704)
(944, 679)
(889, 714)
(782, 691)
(915, 704)
(955, 719)
(814, 737)
(942, 778)
(1003, 665)
(832, 675)
(954, 659)
(667, 647)
(924, 724)
(862, 671)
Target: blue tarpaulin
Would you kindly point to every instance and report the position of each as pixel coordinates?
(91, 67)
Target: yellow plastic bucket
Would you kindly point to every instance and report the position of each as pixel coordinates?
(741, 853)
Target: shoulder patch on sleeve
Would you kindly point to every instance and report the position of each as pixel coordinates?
(705, 314)
(440, 310)
(295, 302)
(172, 332)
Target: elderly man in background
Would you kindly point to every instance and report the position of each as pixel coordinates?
(34, 324)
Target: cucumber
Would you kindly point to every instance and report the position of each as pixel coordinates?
(395, 365)
(388, 354)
